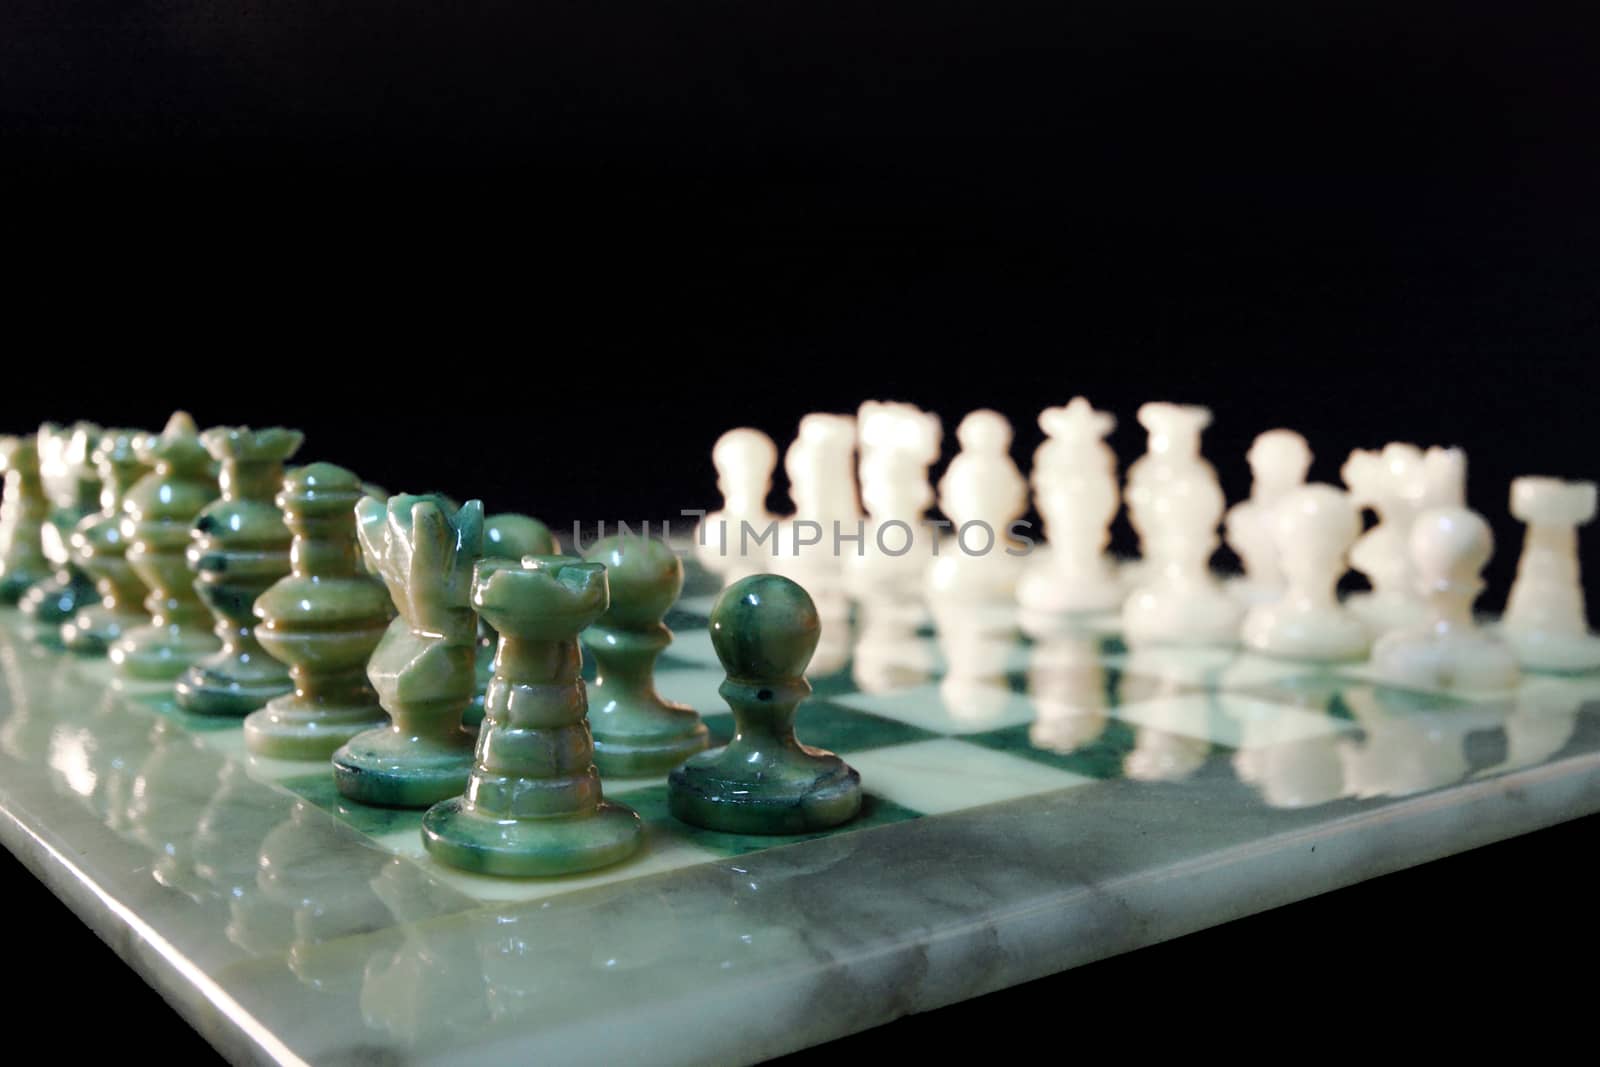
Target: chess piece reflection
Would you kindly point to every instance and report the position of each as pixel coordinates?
(1410, 745)
(977, 649)
(101, 550)
(889, 653)
(1067, 684)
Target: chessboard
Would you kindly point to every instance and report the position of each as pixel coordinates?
(1035, 799)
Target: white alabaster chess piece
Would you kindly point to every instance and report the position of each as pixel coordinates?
(1279, 461)
(820, 464)
(1312, 528)
(1397, 483)
(899, 442)
(1075, 490)
(1449, 549)
(728, 538)
(1545, 620)
(1389, 482)
(1175, 504)
(983, 494)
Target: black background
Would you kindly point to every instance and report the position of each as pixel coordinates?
(544, 253)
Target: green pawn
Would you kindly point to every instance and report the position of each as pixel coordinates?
(507, 536)
(635, 731)
(239, 548)
(157, 514)
(533, 805)
(423, 667)
(100, 549)
(70, 481)
(764, 628)
(323, 620)
(22, 516)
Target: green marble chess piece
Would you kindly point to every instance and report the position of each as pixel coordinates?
(423, 667)
(635, 731)
(239, 548)
(73, 486)
(505, 536)
(157, 514)
(533, 804)
(764, 629)
(101, 550)
(323, 620)
(23, 511)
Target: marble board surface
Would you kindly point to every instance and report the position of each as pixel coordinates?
(1035, 802)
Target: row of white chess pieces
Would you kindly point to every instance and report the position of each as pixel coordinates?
(1424, 558)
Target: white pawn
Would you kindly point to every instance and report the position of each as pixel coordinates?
(1545, 620)
(1391, 483)
(820, 464)
(982, 493)
(1175, 504)
(1312, 528)
(1449, 548)
(898, 444)
(744, 459)
(1075, 488)
(1279, 460)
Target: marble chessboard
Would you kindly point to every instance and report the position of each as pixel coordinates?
(1033, 803)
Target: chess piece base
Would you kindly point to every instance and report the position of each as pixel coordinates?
(229, 686)
(393, 770)
(1555, 653)
(814, 793)
(1186, 615)
(1383, 612)
(57, 599)
(1046, 589)
(1319, 635)
(96, 628)
(474, 840)
(637, 754)
(1425, 659)
(288, 728)
(161, 653)
(1251, 591)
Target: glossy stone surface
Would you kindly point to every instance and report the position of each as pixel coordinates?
(101, 550)
(22, 514)
(289, 926)
(635, 731)
(534, 805)
(157, 514)
(764, 629)
(240, 548)
(423, 668)
(67, 470)
(323, 621)
(505, 536)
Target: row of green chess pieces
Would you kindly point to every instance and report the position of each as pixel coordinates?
(313, 653)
